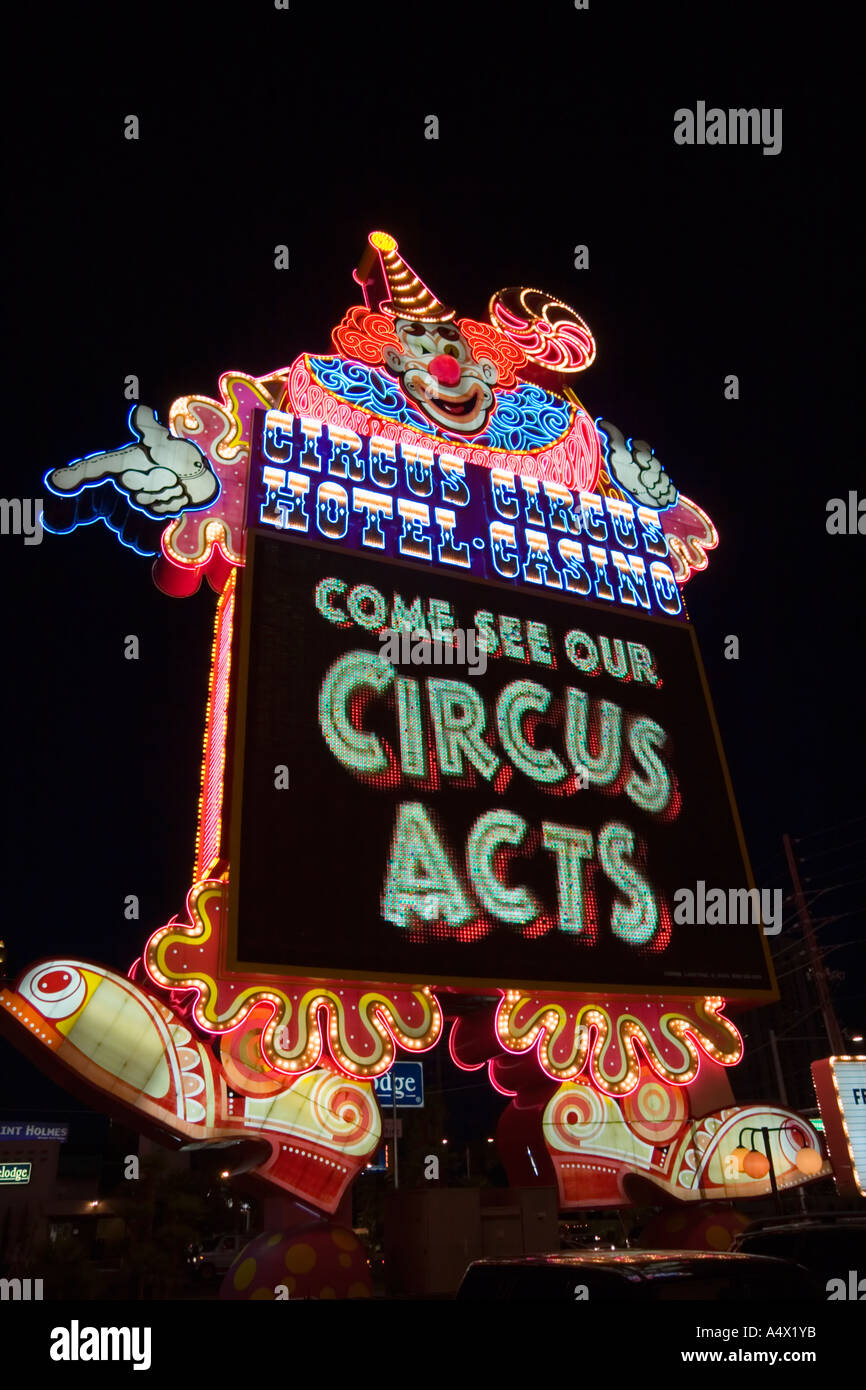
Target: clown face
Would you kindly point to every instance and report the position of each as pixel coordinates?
(438, 372)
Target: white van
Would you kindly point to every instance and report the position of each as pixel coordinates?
(212, 1259)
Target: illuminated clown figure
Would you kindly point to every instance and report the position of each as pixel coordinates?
(500, 393)
(436, 366)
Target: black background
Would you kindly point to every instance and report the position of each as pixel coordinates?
(314, 856)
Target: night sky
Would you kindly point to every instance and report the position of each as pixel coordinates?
(306, 127)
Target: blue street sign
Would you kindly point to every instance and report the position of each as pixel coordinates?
(403, 1085)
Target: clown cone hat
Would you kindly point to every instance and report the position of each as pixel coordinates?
(410, 297)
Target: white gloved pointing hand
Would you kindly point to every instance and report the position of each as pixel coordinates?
(163, 475)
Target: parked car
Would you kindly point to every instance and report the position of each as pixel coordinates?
(638, 1275)
(828, 1244)
(212, 1258)
(576, 1235)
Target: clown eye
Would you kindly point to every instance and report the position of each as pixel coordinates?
(57, 990)
(449, 350)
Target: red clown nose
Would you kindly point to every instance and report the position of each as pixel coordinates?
(446, 369)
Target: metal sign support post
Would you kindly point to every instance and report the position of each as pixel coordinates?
(394, 1115)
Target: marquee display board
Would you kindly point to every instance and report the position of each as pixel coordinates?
(527, 824)
(840, 1087)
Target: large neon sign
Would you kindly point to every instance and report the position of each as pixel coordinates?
(377, 820)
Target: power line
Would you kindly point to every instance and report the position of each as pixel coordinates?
(827, 830)
(845, 867)
(782, 1036)
(833, 849)
(818, 924)
(841, 945)
(833, 886)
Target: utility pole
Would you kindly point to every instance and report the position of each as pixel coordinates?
(819, 973)
(777, 1066)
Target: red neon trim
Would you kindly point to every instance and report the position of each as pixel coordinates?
(464, 1066)
(494, 1083)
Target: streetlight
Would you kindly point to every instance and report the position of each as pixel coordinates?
(757, 1165)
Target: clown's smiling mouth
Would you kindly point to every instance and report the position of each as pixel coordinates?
(467, 406)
